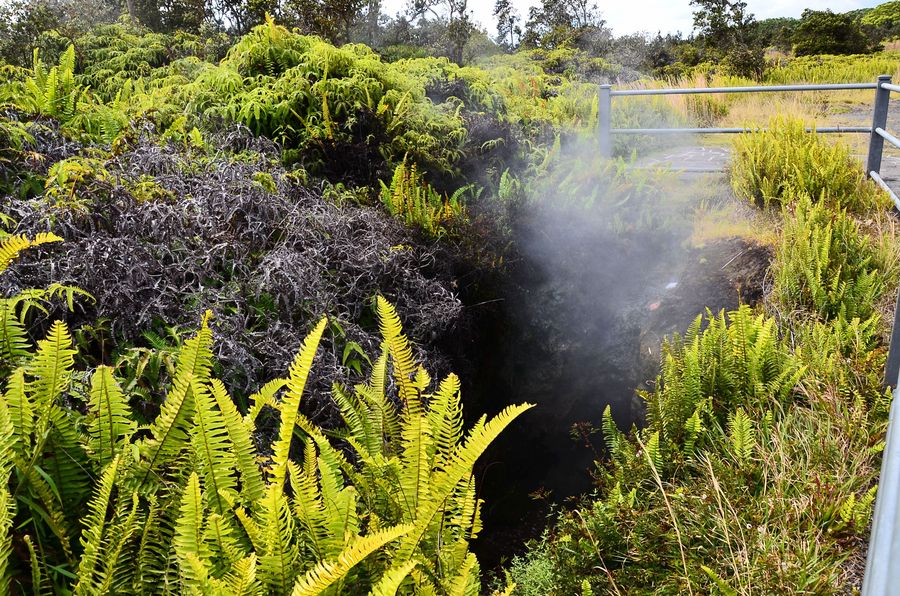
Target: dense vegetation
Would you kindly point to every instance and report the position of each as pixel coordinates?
(757, 467)
(198, 196)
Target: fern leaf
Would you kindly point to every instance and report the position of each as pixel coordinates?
(401, 353)
(279, 557)
(7, 511)
(326, 573)
(252, 485)
(112, 419)
(92, 539)
(742, 436)
(458, 468)
(290, 408)
(210, 443)
(263, 397)
(7, 504)
(51, 366)
(169, 432)
(21, 412)
(241, 580)
(392, 579)
(467, 581)
(14, 341)
(188, 541)
(12, 246)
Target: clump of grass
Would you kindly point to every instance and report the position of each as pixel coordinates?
(774, 165)
(825, 264)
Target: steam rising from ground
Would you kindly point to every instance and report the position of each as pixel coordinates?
(601, 277)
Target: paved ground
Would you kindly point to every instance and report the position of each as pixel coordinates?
(715, 159)
(709, 154)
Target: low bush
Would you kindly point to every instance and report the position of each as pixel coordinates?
(741, 480)
(774, 165)
(410, 198)
(826, 265)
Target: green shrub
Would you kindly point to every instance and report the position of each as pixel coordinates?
(410, 198)
(737, 361)
(826, 265)
(734, 483)
(92, 503)
(774, 165)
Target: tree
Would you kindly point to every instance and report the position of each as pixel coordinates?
(824, 32)
(455, 13)
(883, 20)
(777, 32)
(330, 19)
(508, 29)
(727, 33)
(21, 23)
(557, 23)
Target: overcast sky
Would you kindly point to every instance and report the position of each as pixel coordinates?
(630, 16)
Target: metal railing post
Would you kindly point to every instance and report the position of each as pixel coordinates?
(879, 120)
(892, 369)
(604, 121)
(881, 576)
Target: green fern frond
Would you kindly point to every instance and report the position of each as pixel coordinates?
(51, 366)
(21, 412)
(392, 579)
(404, 365)
(280, 557)
(742, 436)
(241, 579)
(95, 529)
(290, 407)
(326, 573)
(467, 581)
(252, 485)
(14, 342)
(169, 432)
(112, 416)
(7, 504)
(262, 398)
(457, 469)
(7, 512)
(446, 420)
(12, 246)
(212, 447)
(188, 540)
(39, 578)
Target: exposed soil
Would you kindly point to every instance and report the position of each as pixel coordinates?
(722, 275)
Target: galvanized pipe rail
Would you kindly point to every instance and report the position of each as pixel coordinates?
(882, 577)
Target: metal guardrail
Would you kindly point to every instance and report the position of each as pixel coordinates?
(882, 577)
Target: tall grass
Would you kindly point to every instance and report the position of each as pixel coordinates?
(771, 166)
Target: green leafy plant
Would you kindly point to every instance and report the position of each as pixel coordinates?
(784, 162)
(54, 92)
(826, 265)
(188, 504)
(410, 198)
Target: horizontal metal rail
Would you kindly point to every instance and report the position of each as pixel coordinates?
(758, 89)
(880, 181)
(884, 541)
(888, 137)
(663, 131)
(891, 87)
